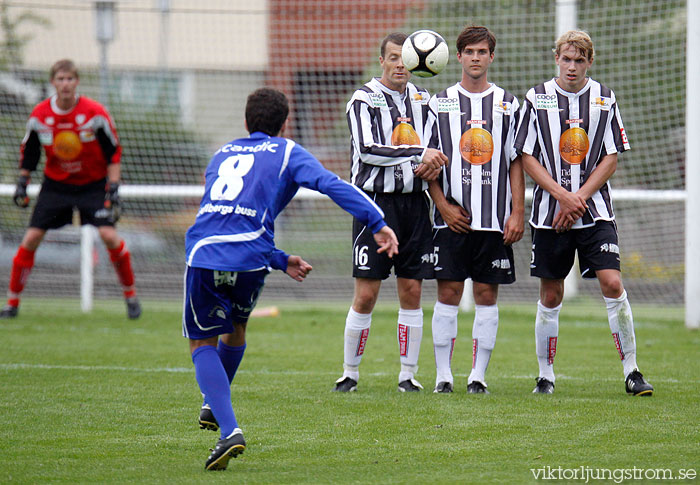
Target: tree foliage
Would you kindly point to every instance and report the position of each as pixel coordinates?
(13, 42)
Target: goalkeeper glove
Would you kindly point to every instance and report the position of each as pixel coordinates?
(112, 200)
(21, 199)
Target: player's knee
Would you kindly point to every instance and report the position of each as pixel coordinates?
(237, 337)
(365, 299)
(552, 298)
(449, 293)
(364, 302)
(366, 293)
(551, 292)
(612, 288)
(109, 236)
(485, 295)
(410, 297)
(32, 239)
(197, 343)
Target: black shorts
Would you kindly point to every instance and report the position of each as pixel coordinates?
(56, 202)
(553, 253)
(408, 216)
(479, 255)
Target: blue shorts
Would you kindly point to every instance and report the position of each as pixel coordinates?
(214, 300)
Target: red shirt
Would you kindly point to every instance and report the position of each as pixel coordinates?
(79, 143)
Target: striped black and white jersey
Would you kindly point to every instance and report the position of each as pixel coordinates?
(376, 114)
(476, 131)
(570, 133)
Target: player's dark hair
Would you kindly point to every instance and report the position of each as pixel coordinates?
(397, 38)
(63, 65)
(475, 34)
(266, 110)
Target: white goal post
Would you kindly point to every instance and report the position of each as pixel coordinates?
(692, 167)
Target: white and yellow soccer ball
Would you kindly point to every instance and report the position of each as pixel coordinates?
(425, 53)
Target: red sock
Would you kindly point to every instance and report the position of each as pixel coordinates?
(21, 267)
(121, 259)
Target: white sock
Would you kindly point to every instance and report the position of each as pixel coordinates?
(622, 328)
(410, 333)
(356, 333)
(483, 340)
(235, 432)
(444, 335)
(546, 335)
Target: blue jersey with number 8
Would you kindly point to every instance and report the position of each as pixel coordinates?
(248, 183)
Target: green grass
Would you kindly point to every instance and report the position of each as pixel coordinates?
(99, 399)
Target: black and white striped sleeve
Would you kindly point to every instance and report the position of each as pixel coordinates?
(526, 140)
(430, 133)
(368, 139)
(616, 138)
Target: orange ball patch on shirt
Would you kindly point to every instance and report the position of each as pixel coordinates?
(67, 145)
(404, 134)
(573, 145)
(476, 146)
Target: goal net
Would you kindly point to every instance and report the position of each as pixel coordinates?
(176, 75)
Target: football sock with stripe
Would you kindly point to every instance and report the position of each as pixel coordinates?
(622, 328)
(546, 335)
(483, 340)
(444, 327)
(121, 259)
(22, 265)
(356, 333)
(213, 382)
(410, 333)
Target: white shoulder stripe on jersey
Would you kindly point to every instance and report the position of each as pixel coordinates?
(287, 152)
(33, 124)
(358, 95)
(98, 122)
(224, 238)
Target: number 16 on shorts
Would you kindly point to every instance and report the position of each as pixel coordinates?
(361, 257)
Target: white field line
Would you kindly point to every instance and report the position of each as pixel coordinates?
(180, 370)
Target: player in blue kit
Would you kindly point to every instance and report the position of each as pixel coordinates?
(230, 250)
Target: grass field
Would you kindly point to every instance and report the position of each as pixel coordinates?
(99, 399)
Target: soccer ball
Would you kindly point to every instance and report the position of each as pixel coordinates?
(425, 53)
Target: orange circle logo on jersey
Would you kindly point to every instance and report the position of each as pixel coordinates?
(573, 145)
(66, 145)
(476, 146)
(404, 134)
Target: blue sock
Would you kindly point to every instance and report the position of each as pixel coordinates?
(231, 358)
(213, 382)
